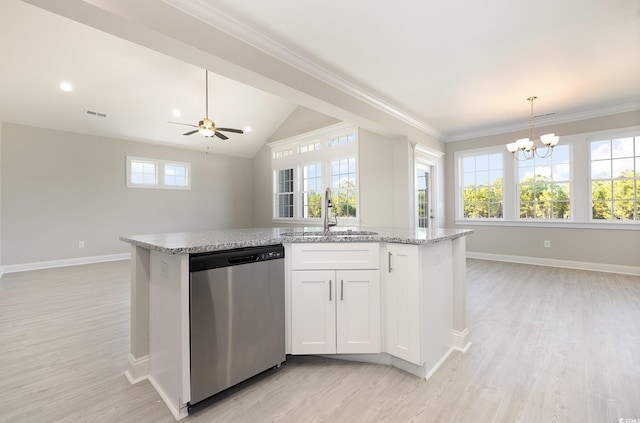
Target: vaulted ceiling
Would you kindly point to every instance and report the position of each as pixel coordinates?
(447, 69)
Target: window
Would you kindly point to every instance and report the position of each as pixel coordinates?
(482, 185)
(312, 146)
(422, 186)
(342, 139)
(175, 175)
(344, 187)
(159, 174)
(284, 193)
(305, 165)
(592, 180)
(615, 179)
(283, 153)
(143, 173)
(311, 191)
(544, 186)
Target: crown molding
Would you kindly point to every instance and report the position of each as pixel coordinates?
(205, 12)
(546, 121)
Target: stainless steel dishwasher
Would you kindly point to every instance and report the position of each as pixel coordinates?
(236, 315)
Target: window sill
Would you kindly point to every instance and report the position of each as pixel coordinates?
(616, 225)
(313, 222)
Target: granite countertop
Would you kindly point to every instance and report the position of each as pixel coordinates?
(216, 240)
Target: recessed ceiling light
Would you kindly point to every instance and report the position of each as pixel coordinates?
(247, 129)
(65, 86)
(176, 113)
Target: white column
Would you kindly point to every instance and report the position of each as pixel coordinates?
(138, 364)
(460, 330)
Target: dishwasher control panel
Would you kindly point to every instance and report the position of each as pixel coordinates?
(234, 257)
(272, 255)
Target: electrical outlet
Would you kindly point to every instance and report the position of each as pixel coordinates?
(80, 244)
(547, 244)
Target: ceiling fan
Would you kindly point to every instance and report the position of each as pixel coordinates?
(206, 126)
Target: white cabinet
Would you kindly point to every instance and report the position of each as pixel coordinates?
(418, 303)
(313, 312)
(335, 310)
(402, 300)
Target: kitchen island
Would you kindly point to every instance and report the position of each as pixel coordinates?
(405, 297)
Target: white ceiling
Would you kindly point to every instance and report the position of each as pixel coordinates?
(135, 87)
(463, 67)
(456, 69)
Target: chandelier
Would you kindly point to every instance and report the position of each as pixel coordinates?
(525, 148)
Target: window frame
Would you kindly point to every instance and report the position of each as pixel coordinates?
(610, 136)
(459, 157)
(551, 182)
(580, 181)
(160, 165)
(302, 157)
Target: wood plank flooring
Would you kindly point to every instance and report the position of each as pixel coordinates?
(549, 345)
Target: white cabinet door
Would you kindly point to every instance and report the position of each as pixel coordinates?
(402, 302)
(313, 312)
(335, 311)
(358, 311)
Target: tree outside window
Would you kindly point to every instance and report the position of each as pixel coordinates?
(344, 187)
(482, 179)
(544, 186)
(615, 179)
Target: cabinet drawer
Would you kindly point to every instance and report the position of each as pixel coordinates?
(335, 256)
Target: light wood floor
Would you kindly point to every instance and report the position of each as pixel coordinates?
(549, 345)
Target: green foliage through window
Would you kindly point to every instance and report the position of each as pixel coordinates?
(615, 179)
(482, 194)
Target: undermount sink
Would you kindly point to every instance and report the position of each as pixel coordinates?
(321, 234)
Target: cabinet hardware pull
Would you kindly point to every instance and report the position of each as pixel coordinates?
(329, 289)
(341, 289)
(390, 268)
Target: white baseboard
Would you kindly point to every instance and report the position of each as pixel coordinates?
(460, 340)
(11, 268)
(435, 368)
(568, 264)
(177, 414)
(137, 369)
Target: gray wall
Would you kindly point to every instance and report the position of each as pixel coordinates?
(607, 246)
(58, 188)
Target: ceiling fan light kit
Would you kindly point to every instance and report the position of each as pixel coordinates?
(206, 127)
(526, 147)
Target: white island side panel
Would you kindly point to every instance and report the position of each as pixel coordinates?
(169, 330)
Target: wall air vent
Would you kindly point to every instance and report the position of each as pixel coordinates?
(544, 115)
(97, 114)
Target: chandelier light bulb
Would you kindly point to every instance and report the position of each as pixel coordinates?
(522, 143)
(527, 145)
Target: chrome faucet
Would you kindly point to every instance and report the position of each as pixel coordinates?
(328, 205)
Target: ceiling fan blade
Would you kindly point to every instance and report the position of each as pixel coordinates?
(180, 123)
(237, 131)
(220, 135)
(191, 132)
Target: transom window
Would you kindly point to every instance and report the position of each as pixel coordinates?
(615, 179)
(155, 173)
(304, 166)
(342, 139)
